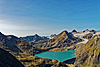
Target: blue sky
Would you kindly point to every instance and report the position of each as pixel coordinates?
(45, 17)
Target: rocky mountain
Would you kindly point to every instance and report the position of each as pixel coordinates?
(7, 43)
(51, 36)
(74, 31)
(24, 45)
(88, 36)
(11, 43)
(90, 31)
(7, 60)
(34, 39)
(93, 31)
(62, 40)
(88, 55)
(85, 35)
(86, 30)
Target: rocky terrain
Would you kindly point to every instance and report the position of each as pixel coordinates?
(7, 60)
(88, 55)
(34, 61)
(60, 41)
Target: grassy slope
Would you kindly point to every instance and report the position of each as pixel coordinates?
(87, 54)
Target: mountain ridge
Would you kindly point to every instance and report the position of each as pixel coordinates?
(11, 43)
(64, 39)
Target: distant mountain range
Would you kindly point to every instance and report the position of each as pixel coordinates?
(62, 40)
(36, 38)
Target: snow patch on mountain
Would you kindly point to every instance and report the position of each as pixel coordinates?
(51, 36)
(81, 34)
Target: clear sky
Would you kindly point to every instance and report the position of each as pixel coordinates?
(45, 17)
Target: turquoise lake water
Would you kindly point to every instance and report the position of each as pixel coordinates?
(59, 55)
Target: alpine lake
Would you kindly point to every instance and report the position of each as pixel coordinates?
(57, 55)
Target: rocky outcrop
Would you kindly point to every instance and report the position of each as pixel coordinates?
(7, 60)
